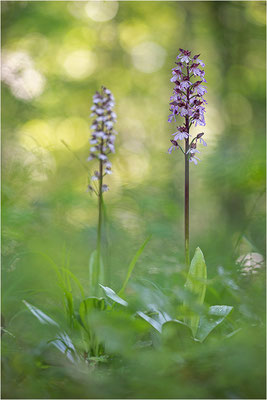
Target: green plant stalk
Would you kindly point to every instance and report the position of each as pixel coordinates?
(186, 207)
(100, 218)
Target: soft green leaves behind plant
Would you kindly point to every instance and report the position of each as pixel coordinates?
(113, 296)
(215, 316)
(177, 335)
(132, 265)
(69, 306)
(96, 272)
(88, 305)
(150, 320)
(160, 318)
(62, 341)
(119, 331)
(196, 284)
(64, 344)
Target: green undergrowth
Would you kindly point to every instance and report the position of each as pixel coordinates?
(143, 341)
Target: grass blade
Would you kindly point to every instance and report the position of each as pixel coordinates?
(132, 265)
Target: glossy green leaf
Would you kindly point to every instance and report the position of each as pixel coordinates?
(159, 320)
(150, 320)
(40, 315)
(64, 344)
(176, 334)
(113, 296)
(196, 284)
(132, 265)
(215, 317)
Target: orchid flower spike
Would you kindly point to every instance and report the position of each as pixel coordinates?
(103, 134)
(188, 101)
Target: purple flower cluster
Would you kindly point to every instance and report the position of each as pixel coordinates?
(187, 101)
(103, 134)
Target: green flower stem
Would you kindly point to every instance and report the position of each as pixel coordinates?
(186, 207)
(100, 217)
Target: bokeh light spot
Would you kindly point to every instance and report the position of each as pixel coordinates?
(101, 11)
(148, 57)
(18, 72)
(239, 108)
(131, 34)
(80, 64)
(36, 133)
(256, 12)
(74, 131)
(80, 37)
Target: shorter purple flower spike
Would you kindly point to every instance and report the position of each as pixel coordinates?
(103, 133)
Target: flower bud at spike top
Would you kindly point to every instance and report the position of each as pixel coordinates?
(103, 133)
(188, 102)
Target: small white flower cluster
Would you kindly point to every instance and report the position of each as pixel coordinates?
(103, 134)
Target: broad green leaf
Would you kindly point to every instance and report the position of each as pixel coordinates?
(148, 295)
(113, 296)
(40, 315)
(215, 317)
(132, 265)
(96, 272)
(160, 316)
(150, 320)
(90, 304)
(176, 333)
(196, 284)
(159, 319)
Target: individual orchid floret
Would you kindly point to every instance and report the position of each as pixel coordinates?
(194, 159)
(199, 137)
(184, 56)
(174, 146)
(181, 133)
(192, 153)
(103, 134)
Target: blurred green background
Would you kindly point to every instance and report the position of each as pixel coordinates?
(55, 55)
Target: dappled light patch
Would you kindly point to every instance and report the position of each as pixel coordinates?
(19, 73)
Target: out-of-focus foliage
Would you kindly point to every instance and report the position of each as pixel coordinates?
(55, 55)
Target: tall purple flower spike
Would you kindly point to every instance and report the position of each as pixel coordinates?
(188, 102)
(103, 133)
